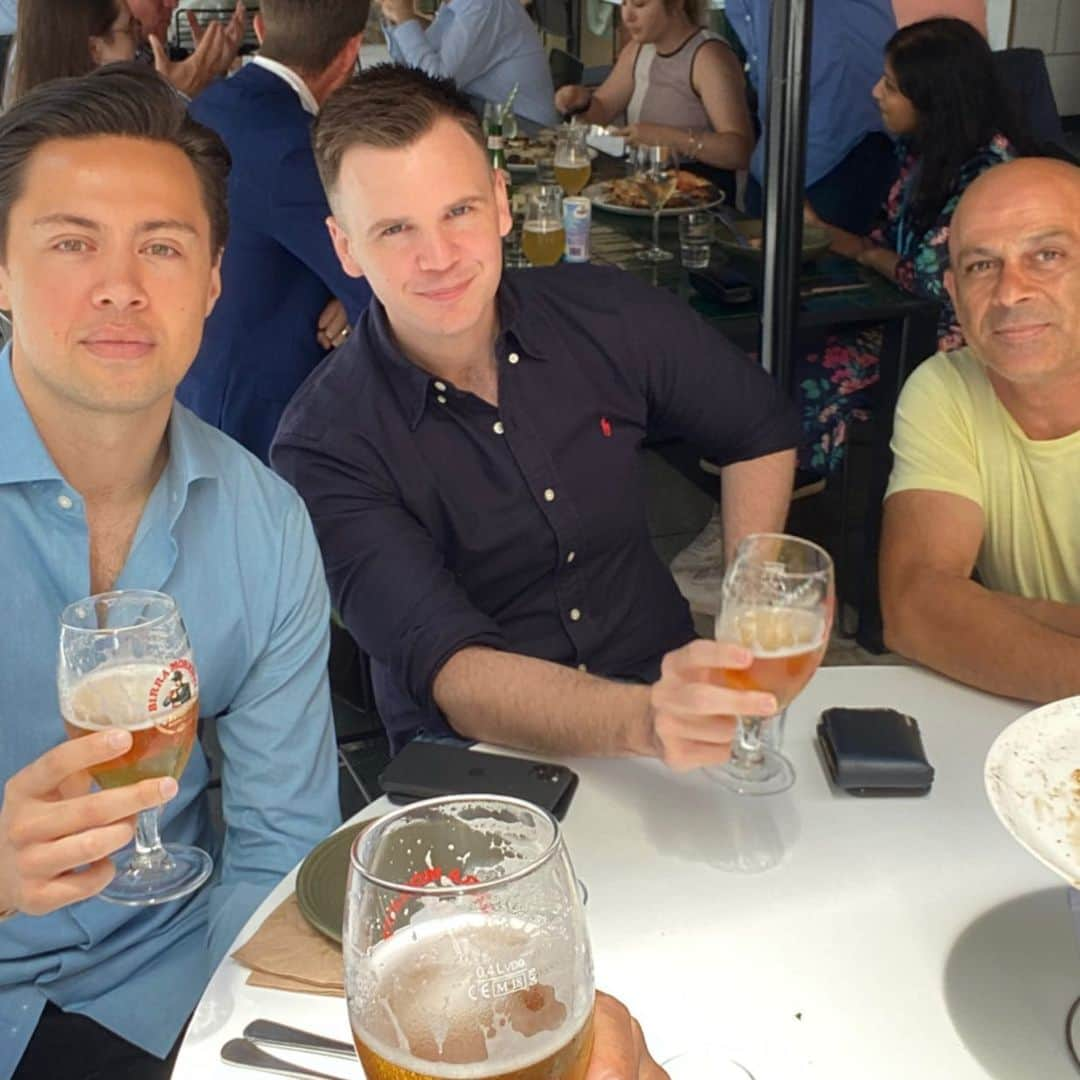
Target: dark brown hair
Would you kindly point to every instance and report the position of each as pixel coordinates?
(126, 100)
(52, 39)
(388, 106)
(307, 34)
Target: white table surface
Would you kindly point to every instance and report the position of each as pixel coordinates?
(892, 938)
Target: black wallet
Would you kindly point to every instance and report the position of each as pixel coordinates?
(874, 752)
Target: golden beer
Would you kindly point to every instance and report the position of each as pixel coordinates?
(465, 999)
(572, 178)
(543, 242)
(787, 644)
(160, 709)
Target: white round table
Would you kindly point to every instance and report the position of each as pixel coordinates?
(890, 938)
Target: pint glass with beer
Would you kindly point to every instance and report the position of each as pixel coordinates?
(125, 661)
(465, 948)
(778, 602)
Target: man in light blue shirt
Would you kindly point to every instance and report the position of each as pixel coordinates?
(485, 46)
(8, 16)
(849, 161)
(109, 261)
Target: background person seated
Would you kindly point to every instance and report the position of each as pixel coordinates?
(486, 46)
(472, 456)
(987, 445)
(678, 85)
(849, 160)
(940, 97)
(285, 298)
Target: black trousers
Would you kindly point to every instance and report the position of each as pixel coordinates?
(68, 1046)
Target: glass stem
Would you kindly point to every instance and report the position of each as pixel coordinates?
(746, 750)
(150, 853)
(656, 230)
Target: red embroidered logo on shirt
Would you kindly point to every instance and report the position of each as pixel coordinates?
(605, 427)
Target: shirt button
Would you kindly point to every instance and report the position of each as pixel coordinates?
(441, 400)
(439, 385)
(582, 667)
(571, 556)
(513, 358)
(549, 494)
(497, 427)
(575, 615)
(64, 502)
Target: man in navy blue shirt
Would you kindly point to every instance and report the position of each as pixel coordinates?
(472, 457)
(285, 299)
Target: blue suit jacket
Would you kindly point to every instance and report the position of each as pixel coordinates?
(279, 270)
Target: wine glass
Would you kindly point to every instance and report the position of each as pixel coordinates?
(777, 601)
(656, 173)
(543, 236)
(125, 661)
(465, 945)
(573, 166)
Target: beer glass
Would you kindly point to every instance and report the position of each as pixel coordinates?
(777, 601)
(656, 173)
(465, 948)
(125, 661)
(573, 165)
(543, 237)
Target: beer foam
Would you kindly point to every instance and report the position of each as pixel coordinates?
(436, 981)
(773, 632)
(115, 695)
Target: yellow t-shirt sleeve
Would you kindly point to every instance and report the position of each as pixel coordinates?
(932, 444)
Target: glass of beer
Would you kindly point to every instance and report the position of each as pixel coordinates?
(465, 948)
(543, 237)
(778, 602)
(125, 661)
(573, 166)
(656, 174)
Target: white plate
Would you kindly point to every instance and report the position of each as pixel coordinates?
(522, 167)
(597, 194)
(1032, 777)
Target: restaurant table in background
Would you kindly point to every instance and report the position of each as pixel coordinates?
(887, 938)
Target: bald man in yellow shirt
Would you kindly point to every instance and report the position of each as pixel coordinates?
(987, 445)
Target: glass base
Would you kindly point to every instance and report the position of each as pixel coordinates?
(655, 255)
(182, 872)
(769, 776)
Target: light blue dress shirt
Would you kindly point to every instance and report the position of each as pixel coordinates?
(8, 12)
(847, 54)
(485, 46)
(233, 544)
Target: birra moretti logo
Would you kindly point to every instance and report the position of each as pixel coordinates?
(174, 687)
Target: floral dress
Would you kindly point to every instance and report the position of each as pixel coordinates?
(833, 382)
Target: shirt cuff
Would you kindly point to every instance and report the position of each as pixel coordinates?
(410, 38)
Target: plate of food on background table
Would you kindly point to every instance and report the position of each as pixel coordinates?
(626, 195)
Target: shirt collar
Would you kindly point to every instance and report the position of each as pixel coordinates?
(524, 328)
(26, 458)
(301, 88)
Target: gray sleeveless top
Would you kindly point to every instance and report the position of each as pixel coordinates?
(663, 93)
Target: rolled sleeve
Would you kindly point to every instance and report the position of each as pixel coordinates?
(700, 387)
(279, 774)
(465, 43)
(389, 582)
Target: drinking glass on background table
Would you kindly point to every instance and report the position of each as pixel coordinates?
(543, 236)
(125, 661)
(465, 947)
(573, 166)
(656, 173)
(777, 600)
(695, 239)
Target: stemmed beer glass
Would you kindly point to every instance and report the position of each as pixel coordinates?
(125, 661)
(778, 600)
(656, 173)
(573, 165)
(465, 946)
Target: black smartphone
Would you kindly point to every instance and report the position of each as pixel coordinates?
(722, 284)
(423, 770)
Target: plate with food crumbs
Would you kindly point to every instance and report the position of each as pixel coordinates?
(1032, 777)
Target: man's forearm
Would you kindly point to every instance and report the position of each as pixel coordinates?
(756, 495)
(1062, 617)
(983, 638)
(532, 704)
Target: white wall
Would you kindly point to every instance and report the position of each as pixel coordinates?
(998, 13)
(1054, 27)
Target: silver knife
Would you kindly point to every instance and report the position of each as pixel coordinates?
(271, 1033)
(248, 1056)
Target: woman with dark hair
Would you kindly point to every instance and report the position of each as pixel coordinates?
(940, 97)
(56, 38)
